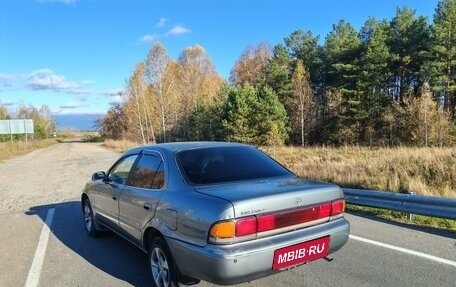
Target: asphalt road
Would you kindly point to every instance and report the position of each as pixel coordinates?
(43, 241)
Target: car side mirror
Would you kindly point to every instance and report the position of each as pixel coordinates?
(98, 175)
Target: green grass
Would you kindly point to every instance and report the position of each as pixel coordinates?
(434, 222)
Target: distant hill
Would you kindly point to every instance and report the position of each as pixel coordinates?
(80, 122)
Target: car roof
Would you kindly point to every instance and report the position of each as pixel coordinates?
(178, 146)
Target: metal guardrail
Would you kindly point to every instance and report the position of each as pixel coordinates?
(413, 204)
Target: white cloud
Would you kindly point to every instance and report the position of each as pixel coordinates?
(70, 105)
(161, 22)
(116, 100)
(6, 81)
(174, 31)
(80, 92)
(83, 99)
(112, 93)
(6, 103)
(67, 2)
(178, 30)
(87, 83)
(46, 79)
(148, 38)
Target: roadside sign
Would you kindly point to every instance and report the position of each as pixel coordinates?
(9, 127)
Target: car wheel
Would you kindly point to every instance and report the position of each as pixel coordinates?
(88, 219)
(161, 264)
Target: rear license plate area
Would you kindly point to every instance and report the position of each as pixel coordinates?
(300, 253)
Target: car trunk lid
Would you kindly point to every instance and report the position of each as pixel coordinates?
(272, 195)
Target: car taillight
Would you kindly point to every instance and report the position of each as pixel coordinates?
(232, 230)
(223, 229)
(266, 222)
(325, 210)
(246, 226)
(337, 207)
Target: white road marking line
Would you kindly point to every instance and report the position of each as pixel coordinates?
(405, 250)
(33, 276)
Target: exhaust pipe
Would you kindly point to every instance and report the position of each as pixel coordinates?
(328, 258)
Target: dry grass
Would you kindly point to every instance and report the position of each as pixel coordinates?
(10, 149)
(120, 145)
(425, 171)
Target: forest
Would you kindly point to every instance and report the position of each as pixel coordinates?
(392, 83)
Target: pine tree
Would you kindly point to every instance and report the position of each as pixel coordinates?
(304, 46)
(408, 44)
(237, 115)
(373, 79)
(442, 56)
(270, 114)
(251, 114)
(342, 51)
(278, 72)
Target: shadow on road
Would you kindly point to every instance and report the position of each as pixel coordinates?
(108, 252)
(73, 140)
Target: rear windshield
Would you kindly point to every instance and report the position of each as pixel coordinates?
(225, 164)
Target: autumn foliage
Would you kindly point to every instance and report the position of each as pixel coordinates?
(392, 83)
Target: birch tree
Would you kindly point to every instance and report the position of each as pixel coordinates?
(136, 109)
(302, 105)
(160, 85)
(251, 66)
(198, 80)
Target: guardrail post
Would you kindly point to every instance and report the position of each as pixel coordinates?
(411, 216)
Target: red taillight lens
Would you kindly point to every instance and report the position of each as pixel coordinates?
(225, 231)
(325, 210)
(289, 218)
(337, 207)
(246, 226)
(266, 222)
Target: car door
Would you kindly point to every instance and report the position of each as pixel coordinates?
(108, 194)
(141, 195)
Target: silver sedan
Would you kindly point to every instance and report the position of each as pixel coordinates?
(221, 212)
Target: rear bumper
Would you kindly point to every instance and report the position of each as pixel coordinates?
(246, 261)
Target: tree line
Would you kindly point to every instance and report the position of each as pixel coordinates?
(391, 83)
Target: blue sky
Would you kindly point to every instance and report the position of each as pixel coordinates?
(76, 55)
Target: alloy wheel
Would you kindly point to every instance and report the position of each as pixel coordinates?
(160, 268)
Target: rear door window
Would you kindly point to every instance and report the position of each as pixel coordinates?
(148, 173)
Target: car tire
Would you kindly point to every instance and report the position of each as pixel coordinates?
(89, 221)
(161, 264)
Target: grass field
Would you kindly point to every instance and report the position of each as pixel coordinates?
(424, 171)
(9, 149)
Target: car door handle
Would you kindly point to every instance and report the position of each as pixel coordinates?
(147, 206)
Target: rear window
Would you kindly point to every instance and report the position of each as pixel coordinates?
(225, 164)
